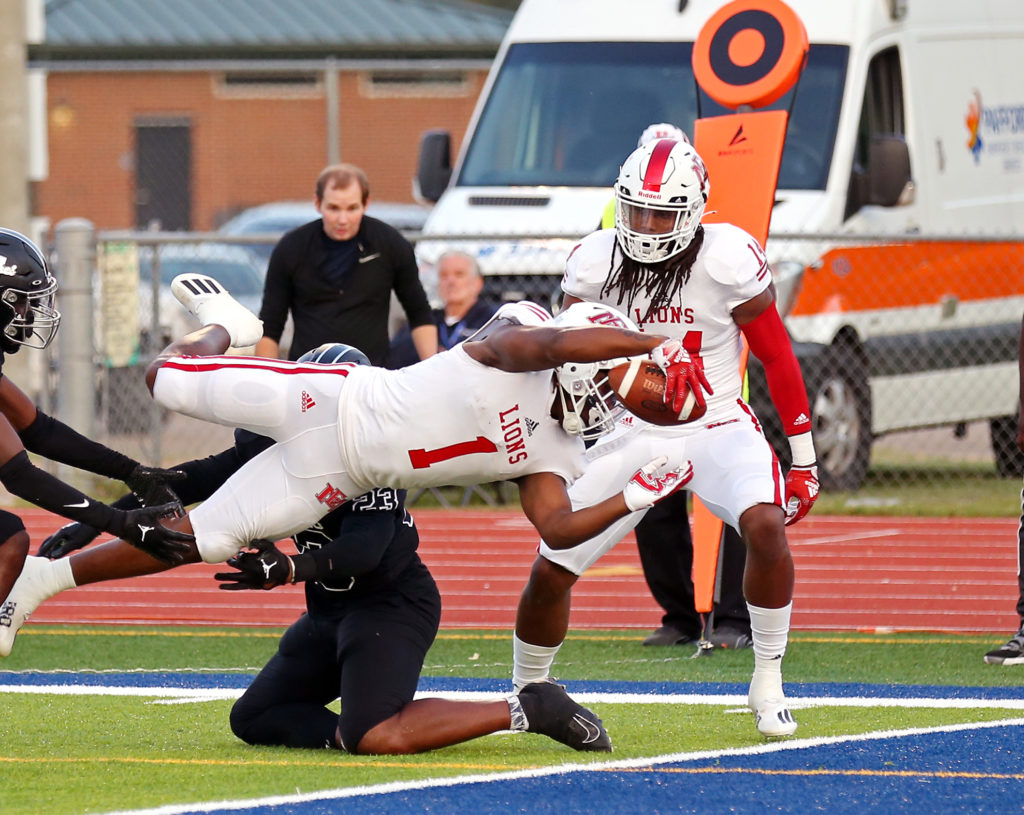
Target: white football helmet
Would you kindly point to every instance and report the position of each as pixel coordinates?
(659, 199)
(589, 406)
(662, 130)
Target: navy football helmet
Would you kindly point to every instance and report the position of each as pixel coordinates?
(331, 352)
(27, 294)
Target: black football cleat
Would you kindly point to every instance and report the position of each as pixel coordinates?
(550, 711)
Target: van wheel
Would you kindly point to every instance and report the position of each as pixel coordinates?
(1009, 458)
(841, 413)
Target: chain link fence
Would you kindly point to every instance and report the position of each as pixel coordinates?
(909, 348)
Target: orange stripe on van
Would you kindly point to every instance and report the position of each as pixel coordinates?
(868, 278)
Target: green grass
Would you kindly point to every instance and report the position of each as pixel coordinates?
(902, 490)
(77, 754)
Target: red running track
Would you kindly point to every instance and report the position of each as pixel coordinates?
(852, 573)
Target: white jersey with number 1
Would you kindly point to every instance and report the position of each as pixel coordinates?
(730, 269)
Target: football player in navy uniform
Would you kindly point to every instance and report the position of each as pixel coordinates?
(29, 318)
(373, 611)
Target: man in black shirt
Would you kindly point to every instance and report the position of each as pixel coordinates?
(336, 274)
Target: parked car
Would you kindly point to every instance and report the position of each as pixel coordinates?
(240, 270)
(277, 217)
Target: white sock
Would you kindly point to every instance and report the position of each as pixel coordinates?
(532, 662)
(62, 576)
(769, 630)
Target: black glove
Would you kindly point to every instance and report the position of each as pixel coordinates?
(143, 530)
(151, 484)
(265, 568)
(67, 539)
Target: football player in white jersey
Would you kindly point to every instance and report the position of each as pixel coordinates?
(702, 286)
(513, 402)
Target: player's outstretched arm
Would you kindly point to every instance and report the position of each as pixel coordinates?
(537, 348)
(545, 501)
(50, 437)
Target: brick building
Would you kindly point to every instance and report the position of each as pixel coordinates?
(184, 113)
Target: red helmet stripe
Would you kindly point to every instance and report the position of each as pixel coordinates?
(656, 166)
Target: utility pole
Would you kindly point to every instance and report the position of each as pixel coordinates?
(13, 117)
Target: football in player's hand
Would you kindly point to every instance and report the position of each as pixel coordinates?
(640, 385)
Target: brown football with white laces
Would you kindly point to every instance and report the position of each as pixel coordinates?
(640, 386)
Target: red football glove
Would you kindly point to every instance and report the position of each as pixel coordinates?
(651, 483)
(801, 492)
(678, 366)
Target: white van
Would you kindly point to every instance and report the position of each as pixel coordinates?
(908, 121)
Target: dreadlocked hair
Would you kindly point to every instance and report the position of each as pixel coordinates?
(659, 281)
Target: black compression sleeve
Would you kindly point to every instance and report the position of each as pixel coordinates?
(58, 442)
(356, 550)
(23, 478)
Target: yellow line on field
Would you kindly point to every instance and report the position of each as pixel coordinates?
(843, 773)
(390, 763)
(127, 630)
(142, 632)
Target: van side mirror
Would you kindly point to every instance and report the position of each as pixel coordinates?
(434, 168)
(888, 170)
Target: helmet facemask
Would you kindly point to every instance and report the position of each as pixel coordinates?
(588, 403)
(589, 407)
(28, 316)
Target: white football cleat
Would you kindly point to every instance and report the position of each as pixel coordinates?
(768, 701)
(774, 718)
(40, 579)
(213, 305)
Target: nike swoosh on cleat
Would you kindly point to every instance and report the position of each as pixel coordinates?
(77, 506)
(593, 731)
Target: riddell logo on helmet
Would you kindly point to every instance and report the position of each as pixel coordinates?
(645, 194)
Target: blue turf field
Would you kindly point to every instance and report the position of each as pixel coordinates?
(965, 768)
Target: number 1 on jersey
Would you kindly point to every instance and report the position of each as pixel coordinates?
(422, 459)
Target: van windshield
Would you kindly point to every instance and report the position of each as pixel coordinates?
(567, 114)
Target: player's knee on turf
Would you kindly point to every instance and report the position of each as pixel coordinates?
(353, 731)
(242, 718)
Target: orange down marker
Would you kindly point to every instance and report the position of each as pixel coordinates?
(748, 54)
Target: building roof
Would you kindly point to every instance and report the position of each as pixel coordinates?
(233, 29)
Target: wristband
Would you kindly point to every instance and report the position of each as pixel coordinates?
(802, 448)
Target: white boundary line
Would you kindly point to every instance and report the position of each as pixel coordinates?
(562, 769)
(171, 695)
